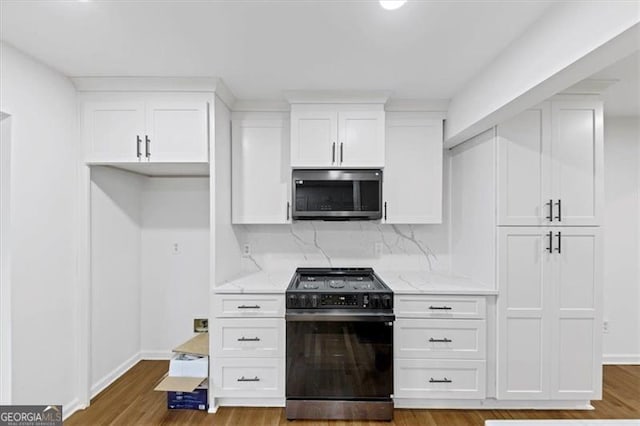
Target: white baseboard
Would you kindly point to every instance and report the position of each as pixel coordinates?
(71, 407)
(156, 355)
(490, 404)
(115, 374)
(624, 359)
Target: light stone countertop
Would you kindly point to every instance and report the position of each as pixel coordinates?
(401, 282)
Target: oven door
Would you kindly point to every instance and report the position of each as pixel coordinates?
(339, 357)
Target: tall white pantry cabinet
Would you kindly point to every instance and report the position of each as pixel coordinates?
(543, 170)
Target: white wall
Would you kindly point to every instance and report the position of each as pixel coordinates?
(115, 274)
(174, 279)
(622, 239)
(42, 105)
(5, 259)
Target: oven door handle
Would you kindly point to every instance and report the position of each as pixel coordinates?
(307, 316)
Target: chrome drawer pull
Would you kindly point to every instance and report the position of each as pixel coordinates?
(249, 307)
(440, 308)
(445, 380)
(249, 339)
(445, 340)
(243, 379)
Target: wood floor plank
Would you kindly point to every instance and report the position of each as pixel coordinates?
(131, 400)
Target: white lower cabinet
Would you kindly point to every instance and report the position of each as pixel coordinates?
(441, 379)
(440, 349)
(549, 313)
(248, 349)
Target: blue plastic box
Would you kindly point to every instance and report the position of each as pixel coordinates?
(196, 400)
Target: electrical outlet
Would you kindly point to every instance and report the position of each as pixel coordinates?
(605, 327)
(200, 325)
(246, 250)
(175, 248)
(377, 249)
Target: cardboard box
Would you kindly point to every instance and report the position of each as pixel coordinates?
(186, 365)
(187, 380)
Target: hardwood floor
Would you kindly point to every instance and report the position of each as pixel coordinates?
(131, 401)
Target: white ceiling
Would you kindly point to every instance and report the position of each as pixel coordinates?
(623, 97)
(426, 49)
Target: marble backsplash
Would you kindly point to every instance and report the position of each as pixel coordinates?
(355, 244)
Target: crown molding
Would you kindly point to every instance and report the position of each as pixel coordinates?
(337, 96)
(155, 84)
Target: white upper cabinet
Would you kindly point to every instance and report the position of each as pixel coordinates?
(132, 128)
(549, 338)
(334, 136)
(113, 131)
(577, 152)
(177, 131)
(412, 179)
(261, 175)
(550, 161)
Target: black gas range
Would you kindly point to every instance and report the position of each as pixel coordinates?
(339, 345)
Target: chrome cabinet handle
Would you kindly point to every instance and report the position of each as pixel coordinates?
(444, 380)
(550, 247)
(444, 340)
(440, 308)
(341, 152)
(288, 207)
(559, 248)
(243, 379)
(385, 210)
(249, 307)
(550, 216)
(559, 205)
(249, 339)
(333, 153)
(147, 145)
(138, 146)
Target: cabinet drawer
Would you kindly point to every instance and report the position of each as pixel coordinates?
(248, 377)
(436, 338)
(419, 306)
(248, 337)
(440, 379)
(248, 305)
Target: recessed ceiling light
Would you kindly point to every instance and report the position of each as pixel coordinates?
(392, 4)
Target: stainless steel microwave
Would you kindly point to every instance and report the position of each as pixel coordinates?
(337, 194)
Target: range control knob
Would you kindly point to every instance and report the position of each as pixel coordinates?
(303, 301)
(375, 301)
(292, 301)
(386, 302)
(314, 301)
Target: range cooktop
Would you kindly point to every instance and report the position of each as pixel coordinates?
(338, 288)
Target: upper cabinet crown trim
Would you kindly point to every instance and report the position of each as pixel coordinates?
(337, 96)
(156, 84)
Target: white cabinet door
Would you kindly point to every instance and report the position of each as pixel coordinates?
(524, 168)
(113, 131)
(261, 174)
(412, 178)
(577, 151)
(523, 313)
(177, 131)
(576, 365)
(314, 139)
(361, 139)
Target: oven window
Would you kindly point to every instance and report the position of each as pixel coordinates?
(340, 360)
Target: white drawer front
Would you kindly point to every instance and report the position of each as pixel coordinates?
(435, 338)
(442, 379)
(419, 306)
(248, 377)
(248, 305)
(248, 337)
